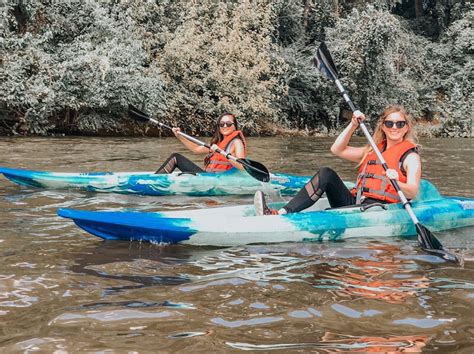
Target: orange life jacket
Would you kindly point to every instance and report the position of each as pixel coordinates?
(371, 180)
(218, 162)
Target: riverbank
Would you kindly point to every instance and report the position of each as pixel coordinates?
(121, 127)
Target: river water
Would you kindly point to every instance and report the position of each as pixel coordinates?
(63, 290)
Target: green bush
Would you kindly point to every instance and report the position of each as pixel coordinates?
(82, 58)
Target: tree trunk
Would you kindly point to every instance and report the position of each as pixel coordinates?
(307, 7)
(419, 12)
(20, 17)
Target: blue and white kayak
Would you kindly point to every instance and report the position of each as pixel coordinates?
(232, 182)
(238, 225)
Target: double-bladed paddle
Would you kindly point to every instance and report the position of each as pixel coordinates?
(254, 168)
(428, 242)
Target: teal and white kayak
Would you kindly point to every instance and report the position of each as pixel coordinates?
(232, 182)
(238, 225)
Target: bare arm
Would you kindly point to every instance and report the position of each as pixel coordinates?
(238, 150)
(412, 166)
(340, 147)
(189, 144)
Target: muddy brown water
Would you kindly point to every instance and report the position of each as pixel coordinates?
(64, 290)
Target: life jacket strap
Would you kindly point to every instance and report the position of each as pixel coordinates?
(216, 170)
(220, 162)
(382, 194)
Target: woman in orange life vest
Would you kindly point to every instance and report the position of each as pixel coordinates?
(396, 139)
(227, 137)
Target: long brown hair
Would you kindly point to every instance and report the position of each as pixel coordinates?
(218, 137)
(379, 134)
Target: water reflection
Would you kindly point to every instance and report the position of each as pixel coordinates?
(384, 276)
(133, 304)
(138, 265)
(332, 342)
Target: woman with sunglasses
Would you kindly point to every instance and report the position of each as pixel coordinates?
(395, 138)
(227, 137)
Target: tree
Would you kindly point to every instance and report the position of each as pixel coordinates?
(74, 67)
(223, 59)
(450, 77)
(377, 60)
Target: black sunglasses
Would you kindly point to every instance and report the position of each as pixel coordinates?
(390, 123)
(226, 124)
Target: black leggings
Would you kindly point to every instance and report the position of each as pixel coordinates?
(325, 180)
(180, 162)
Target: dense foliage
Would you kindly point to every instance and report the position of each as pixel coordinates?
(73, 66)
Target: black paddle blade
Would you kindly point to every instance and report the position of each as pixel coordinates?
(255, 169)
(430, 244)
(136, 114)
(324, 63)
(427, 239)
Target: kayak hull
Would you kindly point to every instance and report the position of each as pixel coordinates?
(238, 225)
(233, 182)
